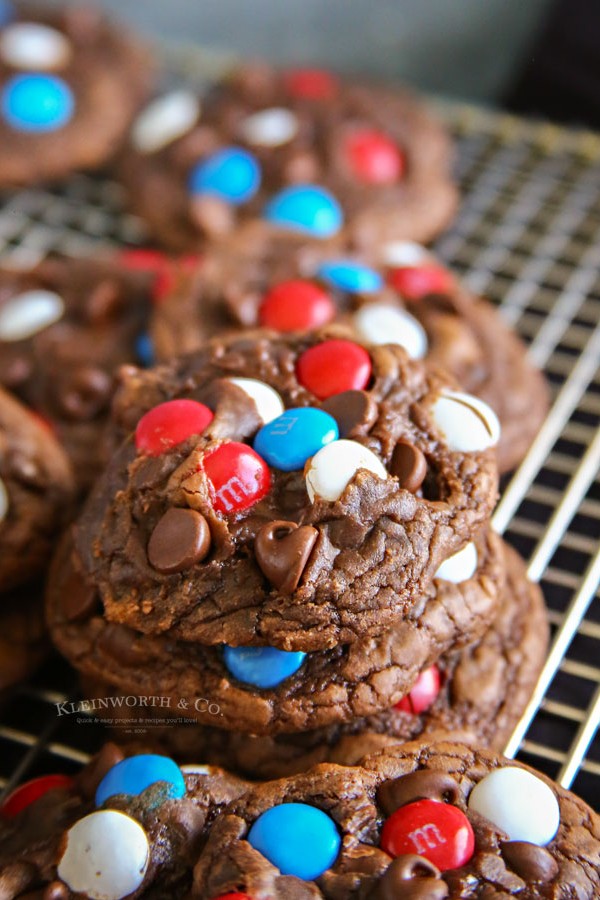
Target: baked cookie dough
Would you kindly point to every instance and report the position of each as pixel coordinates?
(24, 642)
(263, 690)
(36, 490)
(65, 327)
(304, 151)
(420, 820)
(406, 297)
(296, 492)
(121, 826)
(70, 84)
(476, 695)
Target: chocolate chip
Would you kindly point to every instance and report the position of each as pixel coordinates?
(181, 539)
(122, 645)
(56, 890)
(530, 862)
(79, 600)
(412, 878)
(236, 416)
(354, 411)
(409, 465)
(282, 550)
(421, 785)
(86, 393)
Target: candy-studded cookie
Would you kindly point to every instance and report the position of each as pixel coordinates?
(304, 151)
(65, 326)
(426, 822)
(408, 298)
(264, 690)
(297, 492)
(121, 826)
(70, 84)
(477, 695)
(36, 489)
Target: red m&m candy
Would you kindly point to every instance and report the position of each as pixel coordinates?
(26, 794)
(141, 259)
(236, 895)
(415, 282)
(373, 157)
(438, 831)
(296, 306)
(311, 84)
(424, 691)
(238, 475)
(334, 366)
(164, 268)
(170, 423)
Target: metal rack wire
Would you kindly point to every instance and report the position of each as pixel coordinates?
(528, 237)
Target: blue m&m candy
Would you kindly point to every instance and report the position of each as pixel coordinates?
(37, 102)
(7, 12)
(306, 208)
(144, 350)
(350, 276)
(293, 437)
(264, 667)
(134, 775)
(232, 174)
(298, 839)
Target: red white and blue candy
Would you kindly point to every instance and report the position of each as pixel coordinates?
(7, 12)
(293, 437)
(296, 306)
(169, 424)
(28, 313)
(373, 157)
(297, 838)
(270, 127)
(467, 424)
(460, 566)
(306, 208)
(164, 120)
(233, 174)
(262, 667)
(34, 46)
(350, 276)
(311, 84)
(37, 103)
(334, 366)
(105, 856)
(438, 831)
(380, 323)
(423, 693)
(26, 794)
(331, 470)
(144, 350)
(238, 477)
(518, 803)
(268, 402)
(416, 282)
(133, 775)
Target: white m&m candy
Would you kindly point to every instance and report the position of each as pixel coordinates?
(105, 857)
(32, 46)
(267, 401)
(164, 120)
(403, 253)
(330, 470)
(460, 567)
(3, 501)
(519, 803)
(26, 314)
(269, 127)
(467, 424)
(378, 323)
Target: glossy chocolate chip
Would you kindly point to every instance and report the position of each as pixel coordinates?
(89, 778)
(530, 862)
(409, 466)
(56, 890)
(412, 878)
(354, 411)
(282, 550)
(180, 539)
(422, 785)
(79, 601)
(122, 645)
(236, 416)
(86, 393)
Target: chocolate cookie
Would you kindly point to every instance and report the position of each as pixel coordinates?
(70, 83)
(263, 690)
(120, 826)
(409, 298)
(64, 328)
(426, 822)
(476, 695)
(304, 151)
(24, 642)
(298, 492)
(36, 489)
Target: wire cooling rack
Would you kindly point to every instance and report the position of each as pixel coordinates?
(528, 237)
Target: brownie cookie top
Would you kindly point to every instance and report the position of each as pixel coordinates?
(427, 822)
(477, 695)
(36, 490)
(297, 492)
(70, 84)
(409, 298)
(121, 827)
(264, 690)
(304, 151)
(64, 328)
